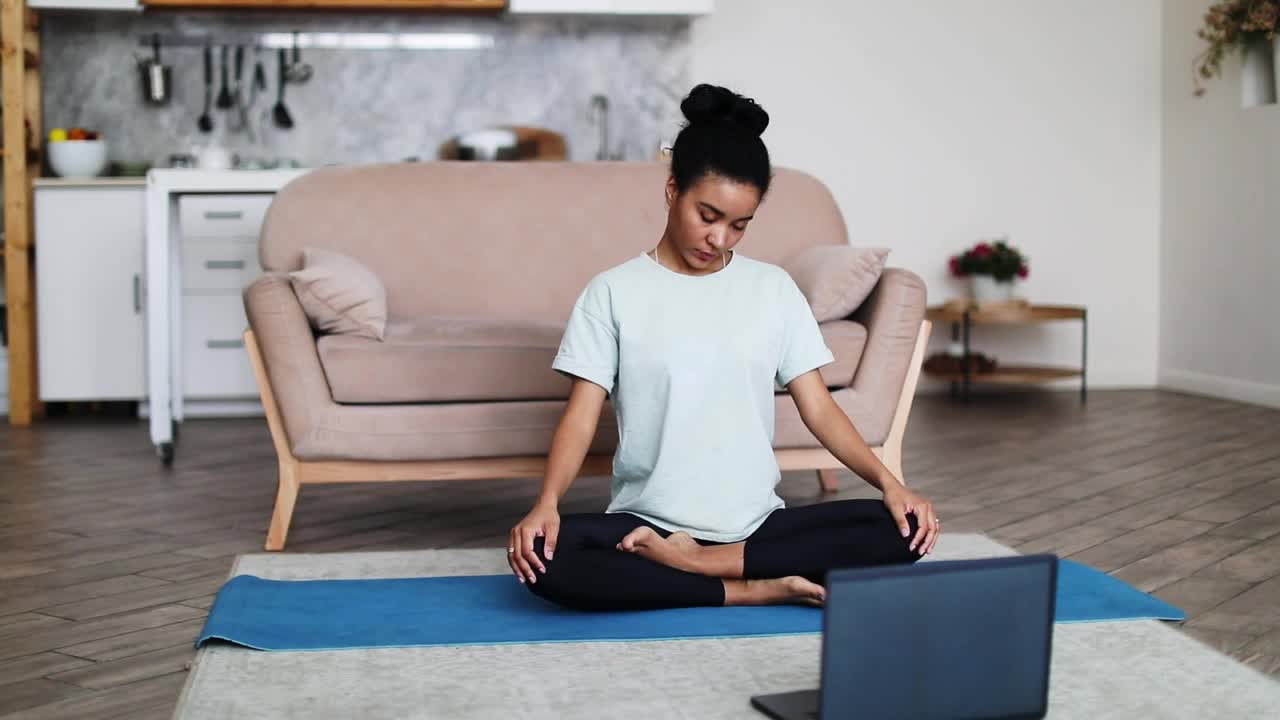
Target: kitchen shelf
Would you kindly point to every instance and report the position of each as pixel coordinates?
(471, 5)
(325, 40)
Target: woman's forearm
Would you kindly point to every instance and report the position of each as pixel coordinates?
(569, 445)
(833, 429)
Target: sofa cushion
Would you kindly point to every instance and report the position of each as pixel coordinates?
(455, 359)
(440, 247)
(835, 279)
(458, 359)
(846, 340)
(340, 295)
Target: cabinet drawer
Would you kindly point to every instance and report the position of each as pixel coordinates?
(222, 216)
(219, 264)
(214, 361)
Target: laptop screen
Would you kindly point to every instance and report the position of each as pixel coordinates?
(963, 639)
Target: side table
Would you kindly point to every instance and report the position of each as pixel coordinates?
(964, 317)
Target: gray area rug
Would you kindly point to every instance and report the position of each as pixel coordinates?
(1100, 670)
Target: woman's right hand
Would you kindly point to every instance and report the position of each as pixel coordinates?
(542, 521)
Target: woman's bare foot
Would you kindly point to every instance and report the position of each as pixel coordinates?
(678, 550)
(775, 591)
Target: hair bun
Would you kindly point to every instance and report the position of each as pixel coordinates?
(715, 104)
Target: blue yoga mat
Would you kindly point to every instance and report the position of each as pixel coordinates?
(495, 609)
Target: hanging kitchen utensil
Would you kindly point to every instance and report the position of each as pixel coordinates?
(257, 85)
(157, 78)
(281, 113)
(224, 95)
(238, 121)
(299, 72)
(205, 123)
(259, 81)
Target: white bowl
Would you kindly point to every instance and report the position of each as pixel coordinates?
(486, 143)
(77, 158)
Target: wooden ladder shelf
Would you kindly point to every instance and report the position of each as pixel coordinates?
(22, 135)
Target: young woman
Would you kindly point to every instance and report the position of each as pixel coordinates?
(690, 339)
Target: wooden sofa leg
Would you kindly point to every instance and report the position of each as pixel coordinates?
(891, 453)
(290, 470)
(286, 496)
(828, 480)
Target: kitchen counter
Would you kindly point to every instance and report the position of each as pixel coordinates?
(188, 180)
(90, 182)
(172, 180)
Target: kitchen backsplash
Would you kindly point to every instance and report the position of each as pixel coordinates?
(374, 105)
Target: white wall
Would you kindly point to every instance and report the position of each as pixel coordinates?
(1220, 269)
(937, 122)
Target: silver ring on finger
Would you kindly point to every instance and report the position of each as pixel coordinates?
(511, 551)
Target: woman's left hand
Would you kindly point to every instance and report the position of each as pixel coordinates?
(903, 502)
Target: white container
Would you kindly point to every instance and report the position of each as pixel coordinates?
(77, 158)
(486, 143)
(1257, 75)
(1275, 68)
(985, 288)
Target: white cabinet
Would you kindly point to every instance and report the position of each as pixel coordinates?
(89, 286)
(84, 5)
(89, 291)
(611, 7)
(219, 247)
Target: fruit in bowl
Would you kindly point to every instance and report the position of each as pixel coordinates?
(76, 153)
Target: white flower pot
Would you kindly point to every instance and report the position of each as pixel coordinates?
(1257, 75)
(1275, 65)
(985, 288)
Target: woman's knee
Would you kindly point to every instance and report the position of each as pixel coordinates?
(546, 582)
(564, 585)
(905, 553)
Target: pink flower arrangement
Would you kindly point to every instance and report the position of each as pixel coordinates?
(1233, 24)
(999, 260)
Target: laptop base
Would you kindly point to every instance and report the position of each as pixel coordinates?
(798, 705)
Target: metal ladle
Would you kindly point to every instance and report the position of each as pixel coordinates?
(205, 122)
(281, 113)
(224, 95)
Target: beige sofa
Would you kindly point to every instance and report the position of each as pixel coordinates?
(482, 263)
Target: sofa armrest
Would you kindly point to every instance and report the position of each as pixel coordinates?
(289, 355)
(892, 314)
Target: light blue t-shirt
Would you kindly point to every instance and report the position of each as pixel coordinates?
(692, 364)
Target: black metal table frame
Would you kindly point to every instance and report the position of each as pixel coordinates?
(962, 330)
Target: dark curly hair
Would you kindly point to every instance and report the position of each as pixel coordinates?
(721, 137)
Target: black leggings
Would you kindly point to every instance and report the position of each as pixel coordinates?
(590, 573)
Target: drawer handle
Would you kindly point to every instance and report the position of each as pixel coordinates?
(224, 264)
(223, 344)
(137, 294)
(223, 214)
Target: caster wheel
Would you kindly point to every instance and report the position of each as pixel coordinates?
(165, 451)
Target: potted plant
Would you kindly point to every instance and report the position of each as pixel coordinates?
(1251, 27)
(991, 268)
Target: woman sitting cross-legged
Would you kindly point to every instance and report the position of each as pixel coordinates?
(690, 339)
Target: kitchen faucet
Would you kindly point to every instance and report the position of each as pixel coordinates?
(600, 103)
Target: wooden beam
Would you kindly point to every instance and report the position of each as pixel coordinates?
(34, 101)
(20, 88)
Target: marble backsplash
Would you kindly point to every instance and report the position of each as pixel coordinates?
(374, 105)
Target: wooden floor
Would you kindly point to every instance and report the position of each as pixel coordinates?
(108, 562)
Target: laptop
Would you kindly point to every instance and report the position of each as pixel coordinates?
(947, 639)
